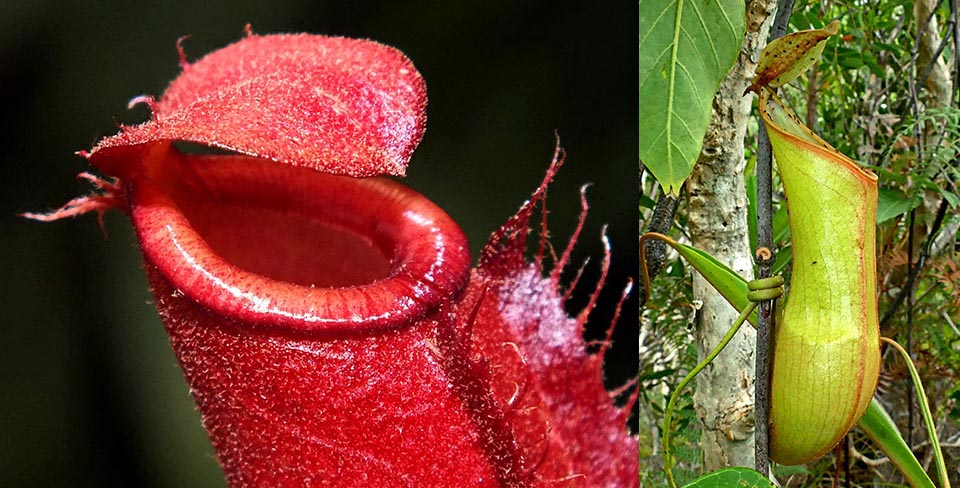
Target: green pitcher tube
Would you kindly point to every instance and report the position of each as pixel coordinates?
(827, 355)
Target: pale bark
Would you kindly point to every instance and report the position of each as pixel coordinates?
(939, 85)
(717, 209)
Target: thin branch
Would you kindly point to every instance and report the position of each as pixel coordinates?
(909, 293)
(875, 462)
(655, 252)
(936, 55)
(765, 259)
(921, 260)
(956, 49)
(953, 326)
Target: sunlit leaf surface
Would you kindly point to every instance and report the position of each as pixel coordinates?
(686, 48)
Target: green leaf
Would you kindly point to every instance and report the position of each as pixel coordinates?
(731, 477)
(647, 202)
(894, 49)
(782, 471)
(952, 198)
(686, 48)
(849, 58)
(726, 281)
(879, 427)
(656, 375)
(784, 257)
(925, 411)
(781, 226)
(892, 203)
(955, 396)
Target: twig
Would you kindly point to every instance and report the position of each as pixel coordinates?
(655, 253)
(953, 326)
(812, 93)
(921, 260)
(765, 312)
(875, 462)
(909, 291)
(956, 50)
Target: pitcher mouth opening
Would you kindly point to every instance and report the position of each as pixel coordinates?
(278, 246)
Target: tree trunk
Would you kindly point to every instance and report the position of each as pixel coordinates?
(717, 207)
(939, 84)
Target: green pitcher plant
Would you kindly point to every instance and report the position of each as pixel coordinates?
(827, 347)
(827, 339)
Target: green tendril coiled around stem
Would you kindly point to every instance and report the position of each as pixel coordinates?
(760, 290)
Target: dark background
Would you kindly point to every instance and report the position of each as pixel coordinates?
(91, 394)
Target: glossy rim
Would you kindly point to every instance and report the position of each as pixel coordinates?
(428, 253)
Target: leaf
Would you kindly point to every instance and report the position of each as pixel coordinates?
(786, 58)
(880, 428)
(332, 104)
(731, 477)
(782, 471)
(750, 184)
(656, 375)
(726, 281)
(784, 258)
(647, 202)
(952, 198)
(781, 225)
(686, 48)
(928, 419)
(894, 49)
(893, 203)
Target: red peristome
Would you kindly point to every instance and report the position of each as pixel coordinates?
(340, 106)
(287, 247)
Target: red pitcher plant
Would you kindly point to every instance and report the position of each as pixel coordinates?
(327, 318)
